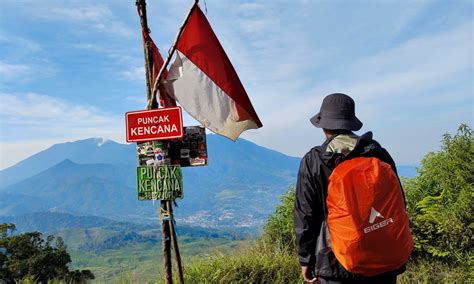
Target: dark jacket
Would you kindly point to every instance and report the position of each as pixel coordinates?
(312, 237)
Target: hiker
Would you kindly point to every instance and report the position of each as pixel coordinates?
(349, 217)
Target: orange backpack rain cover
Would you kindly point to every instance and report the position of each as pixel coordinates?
(368, 226)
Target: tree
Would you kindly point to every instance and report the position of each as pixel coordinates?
(28, 255)
(4, 229)
(441, 199)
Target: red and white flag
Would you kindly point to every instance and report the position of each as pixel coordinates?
(206, 84)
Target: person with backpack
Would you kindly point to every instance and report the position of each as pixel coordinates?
(350, 220)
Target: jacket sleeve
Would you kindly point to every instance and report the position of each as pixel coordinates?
(307, 213)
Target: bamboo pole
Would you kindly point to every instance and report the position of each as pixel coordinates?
(170, 54)
(152, 104)
(141, 6)
(165, 229)
(174, 241)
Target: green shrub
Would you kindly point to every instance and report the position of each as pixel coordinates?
(441, 198)
(278, 232)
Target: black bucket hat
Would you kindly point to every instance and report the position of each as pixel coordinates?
(337, 112)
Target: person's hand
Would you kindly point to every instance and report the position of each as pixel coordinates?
(308, 275)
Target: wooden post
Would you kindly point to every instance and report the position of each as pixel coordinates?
(174, 240)
(165, 231)
(166, 208)
(152, 104)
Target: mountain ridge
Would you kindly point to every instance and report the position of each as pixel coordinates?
(239, 174)
(98, 150)
(239, 188)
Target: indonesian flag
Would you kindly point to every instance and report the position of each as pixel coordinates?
(165, 94)
(206, 84)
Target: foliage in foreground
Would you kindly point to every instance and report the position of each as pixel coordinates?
(28, 258)
(440, 203)
(253, 265)
(272, 259)
(246, 265)
(278, 233)
(441, 200)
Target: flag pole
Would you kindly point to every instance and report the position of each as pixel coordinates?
(141, 8)
(165, 218)
(152, 104)
(174, 241)
(170, 54)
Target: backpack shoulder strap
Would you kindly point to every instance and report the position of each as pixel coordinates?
(329, 163)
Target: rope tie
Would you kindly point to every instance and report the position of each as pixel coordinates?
(166, 215)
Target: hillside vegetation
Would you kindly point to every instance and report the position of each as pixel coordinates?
(30, 258)
(440, 204)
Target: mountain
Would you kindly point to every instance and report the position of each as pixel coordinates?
(22, 204)
(98, 189)
(88, 151)
(240, 186)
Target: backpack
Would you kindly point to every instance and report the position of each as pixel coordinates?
(368, 227)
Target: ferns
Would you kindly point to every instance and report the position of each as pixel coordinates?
(441, 200)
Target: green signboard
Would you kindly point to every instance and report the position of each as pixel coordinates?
(159, 182)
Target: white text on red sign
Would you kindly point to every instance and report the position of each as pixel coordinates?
(159, 124)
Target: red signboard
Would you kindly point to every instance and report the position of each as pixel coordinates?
(157, 124)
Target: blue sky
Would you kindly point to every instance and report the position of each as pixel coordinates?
(70, 69)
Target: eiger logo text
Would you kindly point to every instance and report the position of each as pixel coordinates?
(374, 214)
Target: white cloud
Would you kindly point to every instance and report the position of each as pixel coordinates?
(95, 16)
(426, 72)
(40, 117)
(412, 9)
(139, 100)
(21, 60)
(252, 26)
(412, 70)
(12, 153)
(12, 71)
(31, 108)
(78, 13)
(37, 121)
(89, 47)
(24, 72)
(255, 18)
(251, 7)
(24, 44)
(114, 27)
(116, 53)
(136, 74)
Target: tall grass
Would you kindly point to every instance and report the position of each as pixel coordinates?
(425, 271)
(250, 264)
